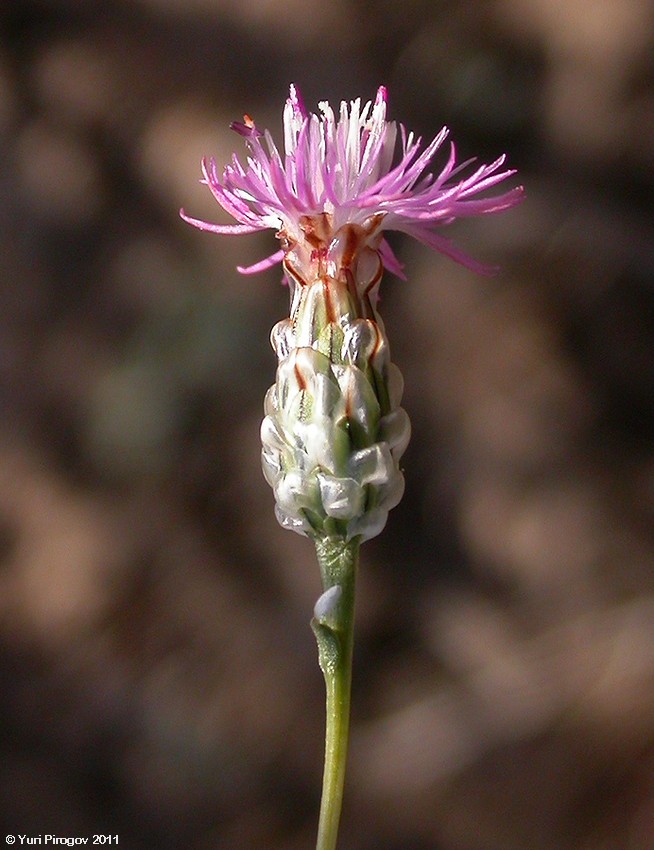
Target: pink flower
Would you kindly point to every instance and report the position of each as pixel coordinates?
(341, 171)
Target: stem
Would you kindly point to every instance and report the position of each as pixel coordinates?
(333, 625)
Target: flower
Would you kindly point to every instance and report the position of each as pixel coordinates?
(334, 431)
(340, 171)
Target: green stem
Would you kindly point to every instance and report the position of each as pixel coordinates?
(333, 625)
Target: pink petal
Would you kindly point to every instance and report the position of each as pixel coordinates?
(234, 229)
(262, 265)
(390, 261)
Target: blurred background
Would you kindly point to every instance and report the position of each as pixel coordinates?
(158, 674)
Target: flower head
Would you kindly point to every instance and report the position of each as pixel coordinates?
(342, 170)
(334, 431)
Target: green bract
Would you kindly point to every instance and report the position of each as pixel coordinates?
(334, 430)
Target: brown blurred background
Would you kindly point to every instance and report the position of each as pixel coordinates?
(158, 675)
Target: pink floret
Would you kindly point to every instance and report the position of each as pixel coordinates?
(343, 166)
